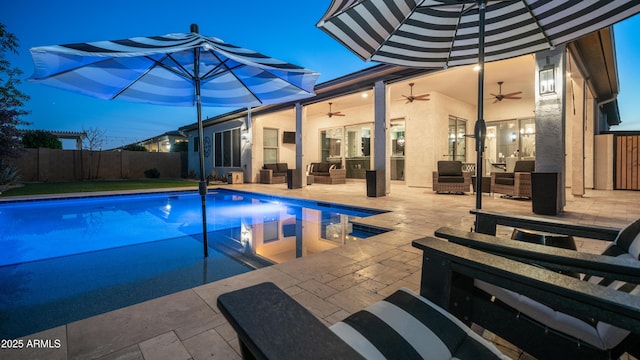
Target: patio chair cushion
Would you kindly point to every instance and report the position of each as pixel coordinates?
(282, 168)
(323, 167)
(451, 179)
(505, 179)
(628, 241)
(272, 167)
(525, 166)
(597, 333)
(407, 326)
(449, 168)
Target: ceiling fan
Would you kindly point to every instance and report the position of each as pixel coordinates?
(501, 96)
(411, 98)
(334, 113)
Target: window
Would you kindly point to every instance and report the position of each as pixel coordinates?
(330, 149)
(218, 152)
(457, 140)
(227, 148)
(508, 141)
(270, 146)
(397, 149)
(196, 143)
(357, 150)
(270, 231)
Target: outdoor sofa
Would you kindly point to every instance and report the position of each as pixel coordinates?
(274, 173)
(327, 173)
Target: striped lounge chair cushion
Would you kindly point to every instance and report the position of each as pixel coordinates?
(407, 326)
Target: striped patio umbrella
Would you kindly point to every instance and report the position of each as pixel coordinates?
(174, 69)
(440, 34)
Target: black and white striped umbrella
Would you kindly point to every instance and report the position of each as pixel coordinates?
(440, 34)
(174, 69)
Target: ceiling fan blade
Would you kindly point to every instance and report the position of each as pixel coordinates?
(494, 95)
(513, 93)
(512, 97)
(496, 100)
(422, 97)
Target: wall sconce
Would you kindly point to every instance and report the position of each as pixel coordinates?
(513, 137)
(547, 80)
(244, 134)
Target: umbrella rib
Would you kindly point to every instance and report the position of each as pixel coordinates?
(155, 63)
(223, 64)
(453, 38)
(535, 18)
(216, 68)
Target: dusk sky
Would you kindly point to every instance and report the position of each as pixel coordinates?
(281, 29)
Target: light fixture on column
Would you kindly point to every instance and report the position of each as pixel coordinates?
(547, 79)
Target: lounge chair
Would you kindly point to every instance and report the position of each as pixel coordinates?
(271, 325)
(572, 333)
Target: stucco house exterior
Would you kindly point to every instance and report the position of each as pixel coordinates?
(403, 120)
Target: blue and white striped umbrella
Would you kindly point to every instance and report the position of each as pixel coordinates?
(160, 70)
(174, 69)
(443, 33)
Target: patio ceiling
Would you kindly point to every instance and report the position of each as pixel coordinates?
(459, 83)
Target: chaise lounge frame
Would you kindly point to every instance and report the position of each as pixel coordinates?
(268, 328)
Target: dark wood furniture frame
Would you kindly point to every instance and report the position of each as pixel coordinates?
(271, 325)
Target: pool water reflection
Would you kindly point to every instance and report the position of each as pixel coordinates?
(64, 260)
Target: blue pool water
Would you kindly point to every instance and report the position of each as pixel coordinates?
(64, 260)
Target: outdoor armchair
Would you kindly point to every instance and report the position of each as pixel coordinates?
(516, 183)
(540, 326)
(450, 177)
(274, 173)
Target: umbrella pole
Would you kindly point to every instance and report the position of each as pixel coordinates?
(480, 127)
(202, 186)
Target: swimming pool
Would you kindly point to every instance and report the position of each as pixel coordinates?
(64, 260)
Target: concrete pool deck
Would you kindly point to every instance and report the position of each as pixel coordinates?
(332, 285)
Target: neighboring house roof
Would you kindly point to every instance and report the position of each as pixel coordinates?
(173, 133)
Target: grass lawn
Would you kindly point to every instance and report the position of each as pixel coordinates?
(98, 185)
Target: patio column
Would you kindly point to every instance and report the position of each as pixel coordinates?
(301, 113)
(381, 144)
(550, 115)
(247, 150)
